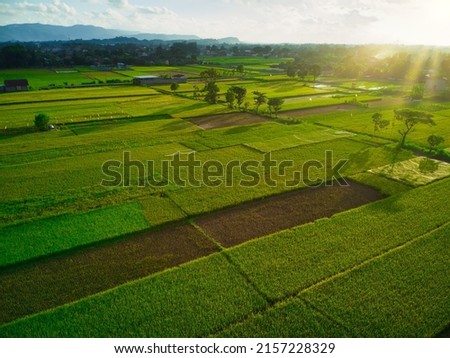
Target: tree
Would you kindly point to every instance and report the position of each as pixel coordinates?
(212, 90)
(315, 71)
(302, 71)
(379, 122)
(174, 86)
(240, 68)
(259, 99)
(291, 69)
(41, 121)
(275, 105)
(239, 93)
(434, 141)
(230, 97)
(411, 118)
(417, 91)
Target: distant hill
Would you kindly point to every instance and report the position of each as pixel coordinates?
(40, 33)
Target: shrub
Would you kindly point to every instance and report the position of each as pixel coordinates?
(41, 121)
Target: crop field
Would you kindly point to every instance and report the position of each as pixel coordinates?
(303, 223)
(416, 171)
(38, 78)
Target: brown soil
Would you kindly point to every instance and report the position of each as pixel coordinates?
(226, 120)
(318, 110)
(53, 281)
(59, 280)
(248, 221)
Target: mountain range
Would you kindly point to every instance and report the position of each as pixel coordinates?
(41, 33)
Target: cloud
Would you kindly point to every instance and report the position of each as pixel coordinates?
(119, 3)
(52, 12)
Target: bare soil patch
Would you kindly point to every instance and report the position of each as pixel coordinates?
(226, 120)
(251, 220)
(59, 280)
(318, 110)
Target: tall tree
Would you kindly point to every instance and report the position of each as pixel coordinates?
(239, 93)
(410, 119)
(230, 97)
(212, 90)
(259, 99)
(275, 105)
(379, 122)
(315, 70)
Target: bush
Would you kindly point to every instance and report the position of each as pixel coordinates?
(41, 121)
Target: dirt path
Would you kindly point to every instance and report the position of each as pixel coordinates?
(57, 280)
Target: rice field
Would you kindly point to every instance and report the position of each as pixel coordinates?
(160, 260)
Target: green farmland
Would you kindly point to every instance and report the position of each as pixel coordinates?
(93, 247)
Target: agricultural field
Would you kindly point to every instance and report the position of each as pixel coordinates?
(302, 223)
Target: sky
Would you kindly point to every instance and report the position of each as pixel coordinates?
(257, 21)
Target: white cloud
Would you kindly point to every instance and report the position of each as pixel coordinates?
(342, 21)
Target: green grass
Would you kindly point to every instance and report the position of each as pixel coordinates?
(325, 100)
(291, 318)
(199, 298)
(361, 157)
(88, 109)
(329, 246)
(209, 296)
(43, 146)
(75, 93)
(384, 185)
(415, 172)
(305, 134)
(160, 210)
(397, 295)
(68, 174)
(47, 236)
(360, 121)
(403, 294)
(43, 77)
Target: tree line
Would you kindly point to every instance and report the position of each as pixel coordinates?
(236, 95)
(376, 61)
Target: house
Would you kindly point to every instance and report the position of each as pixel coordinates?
(16, 85)
(435, 84)
(156, 80)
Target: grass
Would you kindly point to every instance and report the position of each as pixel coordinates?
(416, 171)
(398, 295)
(74, 93)
(402, 294)
(213, 197)
(160, 210)
(330, 246)
(88, 109)
(305, 134)
(386, 186)
(69, 174)
(361, 122)
(213, 296)
(165, 305)
(52, 202)
(47, 236)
